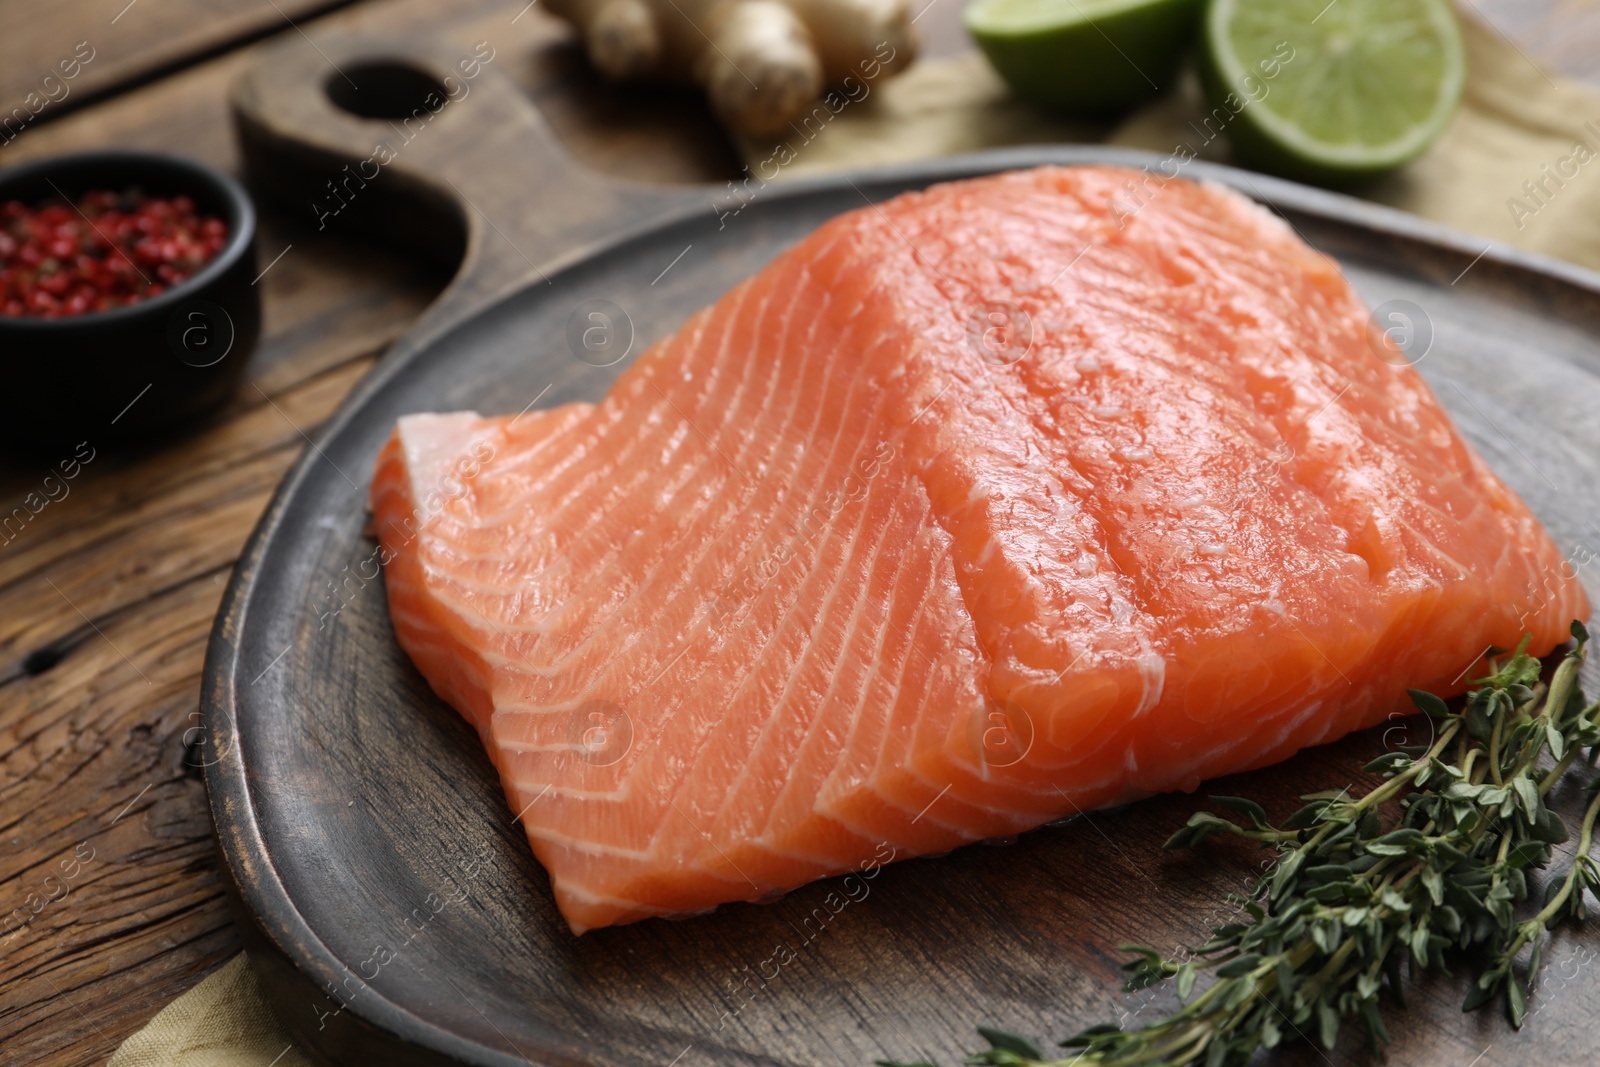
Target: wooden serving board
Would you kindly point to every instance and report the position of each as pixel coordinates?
(394, 909)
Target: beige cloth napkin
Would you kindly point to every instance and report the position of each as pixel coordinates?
(222, 1022)
(1516, 119)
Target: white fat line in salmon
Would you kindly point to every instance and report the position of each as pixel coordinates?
(414, 924)
(1264, 475)
(747, 983)
(802, 531)
(468, 465)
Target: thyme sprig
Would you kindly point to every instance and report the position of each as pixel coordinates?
(1357, 893)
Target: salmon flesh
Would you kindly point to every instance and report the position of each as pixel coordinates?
(987, 505)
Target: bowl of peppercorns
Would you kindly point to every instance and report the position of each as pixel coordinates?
(127, 299)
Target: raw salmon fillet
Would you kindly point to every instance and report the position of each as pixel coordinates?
(991, 504)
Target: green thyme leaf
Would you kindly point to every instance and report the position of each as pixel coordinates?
(1241, 966)
(1389, 761)
(1431, 864)
(1249, 808)
(1516, 1003)
(1429, 704)
(1186, 977)
(1010, 1042)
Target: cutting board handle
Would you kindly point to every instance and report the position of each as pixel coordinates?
(432, 145)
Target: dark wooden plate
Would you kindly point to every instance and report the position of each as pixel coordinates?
(396, 912)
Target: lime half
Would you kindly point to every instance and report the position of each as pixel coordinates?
(1084, 57)
(1332, 92)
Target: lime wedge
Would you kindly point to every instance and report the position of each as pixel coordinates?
(1332, 92)
(1084, 57)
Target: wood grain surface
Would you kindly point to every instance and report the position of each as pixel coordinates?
(106, 598)
(57, 58)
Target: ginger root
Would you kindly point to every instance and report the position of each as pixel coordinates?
(762, 63)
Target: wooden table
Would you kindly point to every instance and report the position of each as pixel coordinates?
(107, 596)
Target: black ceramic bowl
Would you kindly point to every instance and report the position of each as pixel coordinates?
(149, 367)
